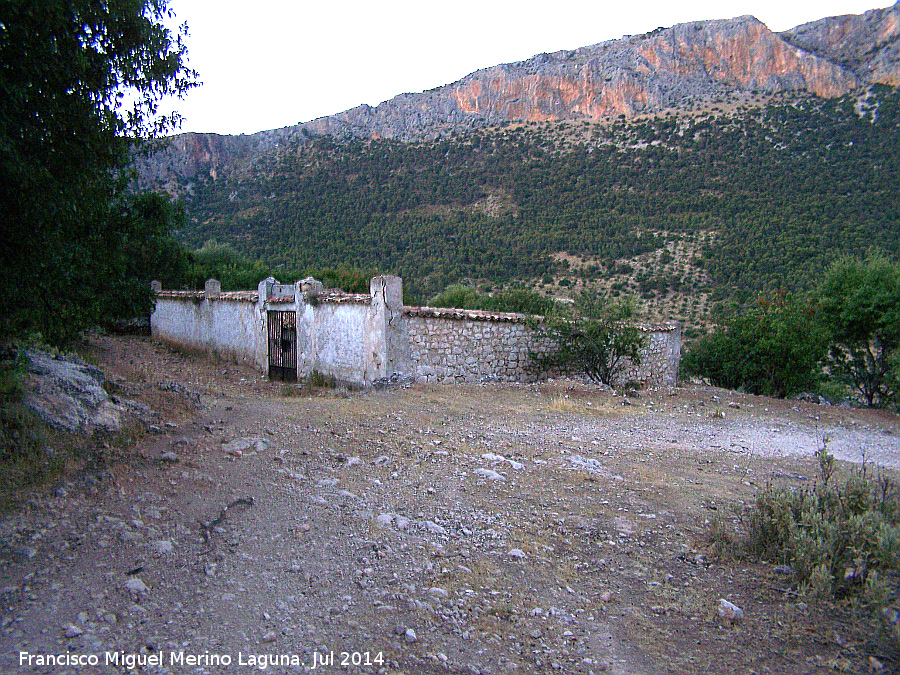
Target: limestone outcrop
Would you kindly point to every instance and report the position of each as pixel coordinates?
(68, 394)
(867, 44)
(668, 68)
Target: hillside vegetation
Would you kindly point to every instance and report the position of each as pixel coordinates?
(676, 207)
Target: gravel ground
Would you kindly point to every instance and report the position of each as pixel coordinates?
(469, 529)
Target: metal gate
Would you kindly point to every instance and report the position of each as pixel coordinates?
(283, 346)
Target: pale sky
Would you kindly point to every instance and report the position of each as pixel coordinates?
(267, 64)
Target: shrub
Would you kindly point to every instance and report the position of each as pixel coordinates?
(23, 460)
(597, 338)
(456, 296)
(318, 380)
(841, 537)
(518, 300)
(860, 304)
(774, 348)
(11, 423)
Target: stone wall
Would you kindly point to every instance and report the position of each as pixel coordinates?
(338, 334)
(361, 339)
(454, 345)
(226, 324)
(334, 338)
(660, 356)
(449, 345)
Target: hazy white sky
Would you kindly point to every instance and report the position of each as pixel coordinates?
(267, 64)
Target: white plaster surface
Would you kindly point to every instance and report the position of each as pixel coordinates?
(361, 338)
(230, 329)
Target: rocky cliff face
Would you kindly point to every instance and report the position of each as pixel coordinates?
(188, 155)
(868, 45)
(667, 68)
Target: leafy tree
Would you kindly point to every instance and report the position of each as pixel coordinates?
(220, 261)
(519, 300)
(238, 272)
(456, 296)
(774, 349)
(80, 82)
(138, 247)
(860, 304)
(348, 279)
(215, 255)
(597, 338)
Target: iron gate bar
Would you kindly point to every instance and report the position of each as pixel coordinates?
(282, 346)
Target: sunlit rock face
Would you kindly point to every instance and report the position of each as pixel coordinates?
(669, 68)
(867, 44)
(666, 68)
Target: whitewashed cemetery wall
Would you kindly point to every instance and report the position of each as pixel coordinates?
(363, 338)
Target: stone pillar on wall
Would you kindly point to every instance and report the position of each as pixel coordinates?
(389, 344)
(263, 289)
(155, 286)
(306, 294)
(212, 289)
(310, 286)
(674, 355)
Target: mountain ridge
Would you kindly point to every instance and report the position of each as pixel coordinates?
(710, 57)
(666, 68)
(673, 68)
(840, 38)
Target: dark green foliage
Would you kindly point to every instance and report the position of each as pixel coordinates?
(23, 458)
(518, 300)
(348, 279)
(236, 272)
(773, 348)
(596, 337)
(458, 296)
(221, 262)
(13, 428)
(785, 190)
(115, 276)
(860, 304)
(70, 231)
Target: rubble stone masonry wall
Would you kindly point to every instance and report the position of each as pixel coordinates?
(455, 345)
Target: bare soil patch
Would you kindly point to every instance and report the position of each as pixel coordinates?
(469, 529)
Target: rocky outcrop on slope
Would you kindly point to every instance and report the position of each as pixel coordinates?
(667, 68)
(188, 155)
(68, 394)
(867, 44)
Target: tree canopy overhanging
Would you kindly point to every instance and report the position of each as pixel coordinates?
(81, 82)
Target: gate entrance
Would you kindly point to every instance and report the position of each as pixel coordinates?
(282, 346)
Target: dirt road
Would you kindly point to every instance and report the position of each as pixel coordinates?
(468, 529)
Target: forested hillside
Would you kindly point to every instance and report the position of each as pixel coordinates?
(734, 200)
